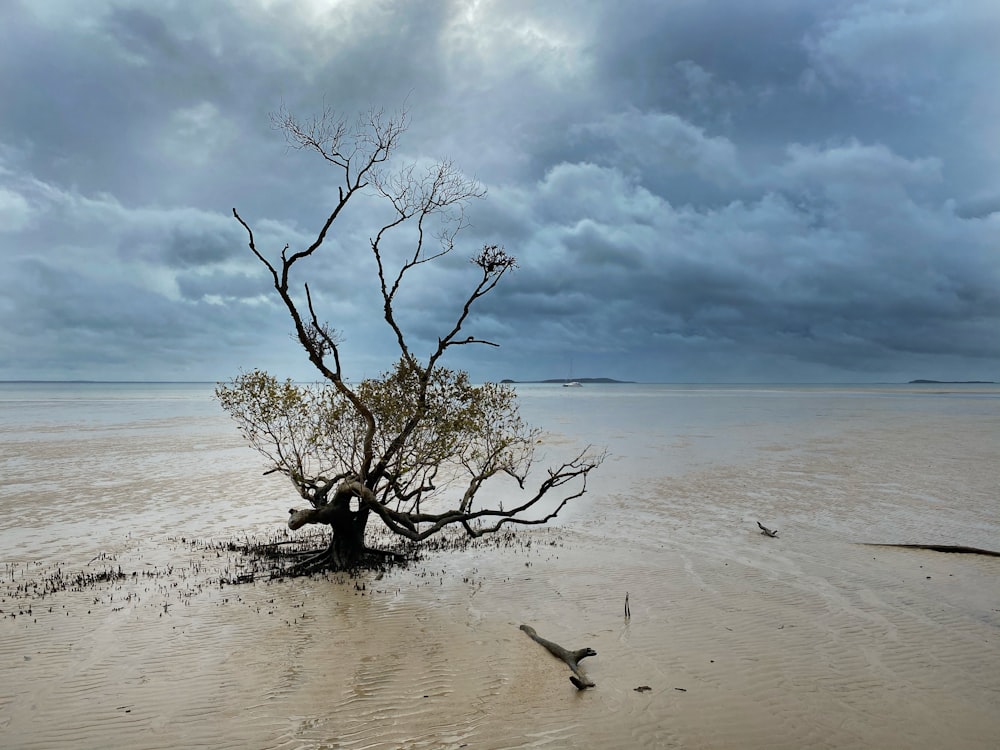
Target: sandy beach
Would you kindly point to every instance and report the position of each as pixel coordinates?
(735, 640)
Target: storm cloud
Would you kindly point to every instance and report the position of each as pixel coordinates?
(701, 191)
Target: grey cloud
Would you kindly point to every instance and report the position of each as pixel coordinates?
(700, 191)
(198, 286)
(906, 51)
(856, 164)
(15, 211)
(89, 326)
(761, 275)
(665, 142)
(186, 247)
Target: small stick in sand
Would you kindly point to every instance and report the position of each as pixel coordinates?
(628, 613)
(766, 531)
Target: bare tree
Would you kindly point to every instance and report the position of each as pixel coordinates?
(415, 446)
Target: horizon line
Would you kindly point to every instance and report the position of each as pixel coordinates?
(547, 381)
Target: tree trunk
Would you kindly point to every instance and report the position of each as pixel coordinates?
(347, 539)
(347, 542)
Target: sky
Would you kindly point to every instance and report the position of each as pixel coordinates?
(696, 191)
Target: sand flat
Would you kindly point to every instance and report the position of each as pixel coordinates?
(769, 646)
(812, 639)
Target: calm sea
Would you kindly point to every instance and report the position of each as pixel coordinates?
(85, 464)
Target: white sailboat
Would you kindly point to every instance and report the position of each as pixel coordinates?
(572, 383)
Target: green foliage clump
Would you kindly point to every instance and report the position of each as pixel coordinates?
(432, 437)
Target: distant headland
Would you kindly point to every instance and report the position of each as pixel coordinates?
(955, 382)
(569, 380)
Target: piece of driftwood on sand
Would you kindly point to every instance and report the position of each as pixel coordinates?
(572, 658)
(956, 548)
(766, 531)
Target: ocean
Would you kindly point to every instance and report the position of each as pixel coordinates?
(105, 459)
(810, 639)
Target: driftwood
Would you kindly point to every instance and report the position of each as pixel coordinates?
(572, 658)
(766, 531)
(940, 548)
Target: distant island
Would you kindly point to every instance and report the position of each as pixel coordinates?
(569, 380)
(955, 382)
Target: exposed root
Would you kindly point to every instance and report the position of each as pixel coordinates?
(306, 567)
(394, 556)
(278, 556)
(328, 560)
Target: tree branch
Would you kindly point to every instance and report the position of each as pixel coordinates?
(399, 441)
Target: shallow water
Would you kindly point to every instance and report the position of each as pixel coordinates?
(850, 452)
(811, 639)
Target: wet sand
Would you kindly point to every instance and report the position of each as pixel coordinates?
(811, 639)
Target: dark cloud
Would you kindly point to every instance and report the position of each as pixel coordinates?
(699, 191)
